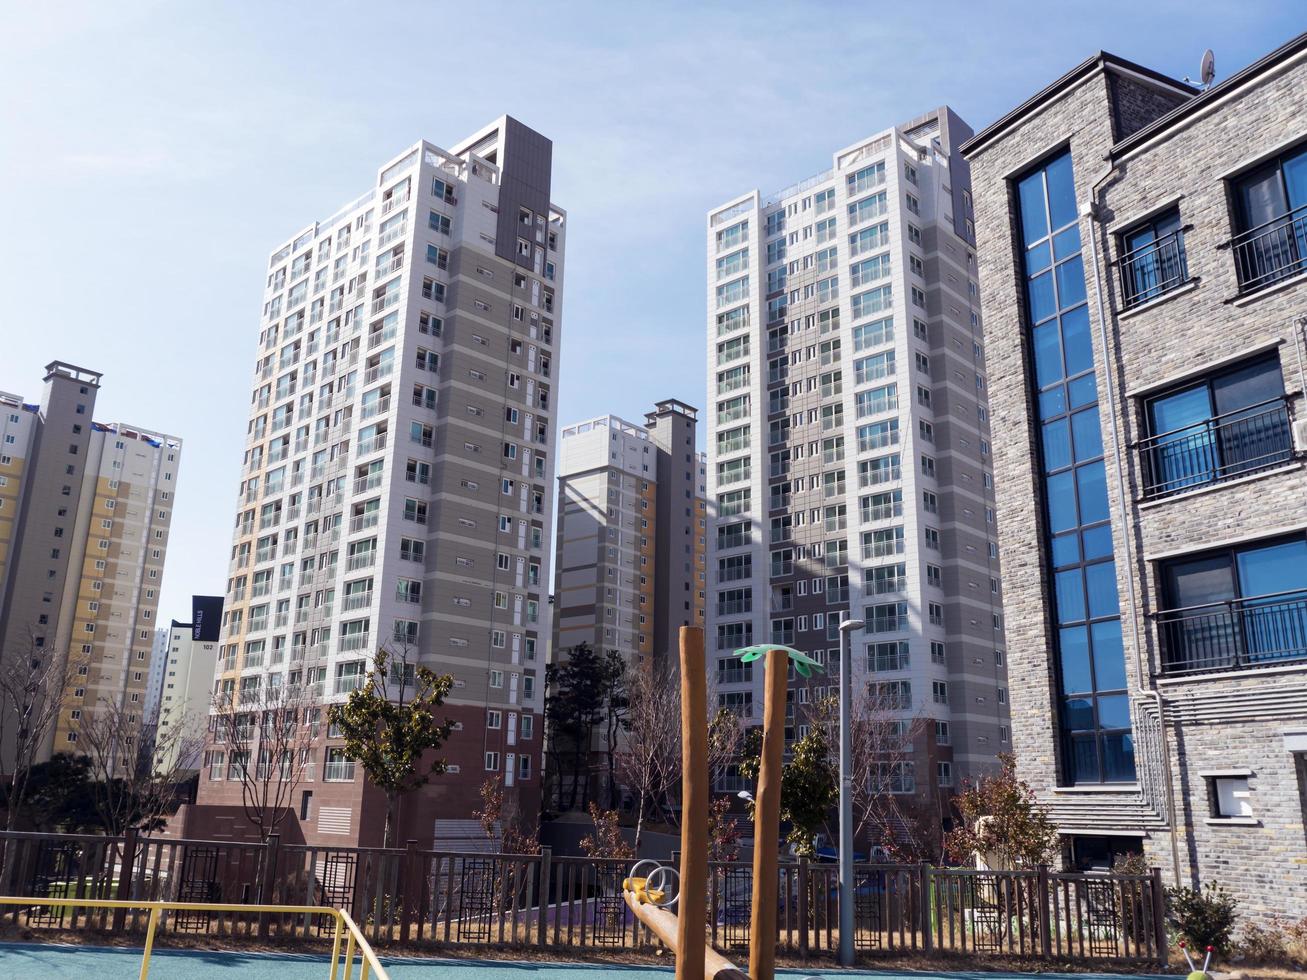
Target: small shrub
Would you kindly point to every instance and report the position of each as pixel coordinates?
(1263, 944)
(1203, 917)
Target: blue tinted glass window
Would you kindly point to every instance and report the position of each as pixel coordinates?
(1048, 354)
(1070, 283)
(1070, 596)
(1100, 588)
(1092, 484)
(1082, 592)
(1034, 216)
(1109, 656)
(1061, 502)
(1083, 391)
(1097, 542)
(1057, 444)
(1061, 192)
(1066, 550)
(1075, 339)
(1088, 437)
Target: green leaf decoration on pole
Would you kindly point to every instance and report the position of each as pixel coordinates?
(803, 664)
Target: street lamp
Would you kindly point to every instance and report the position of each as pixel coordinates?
(846, 795)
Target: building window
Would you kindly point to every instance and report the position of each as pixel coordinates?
(1228, 796)
(1236, 608)
(1216, 428)
(1271, 215)
(1094, 710)
(1153, 259)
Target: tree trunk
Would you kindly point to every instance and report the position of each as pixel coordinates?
(392, 809)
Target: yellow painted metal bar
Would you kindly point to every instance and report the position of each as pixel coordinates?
(349, 955)
(344, 924)
(149, 943)
(335, 947)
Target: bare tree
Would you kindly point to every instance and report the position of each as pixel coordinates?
(884, 812)
(135, 766)
(263, 738)
(34, 684)
(652, 753)
(650, 763)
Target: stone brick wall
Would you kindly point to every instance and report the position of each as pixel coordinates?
(1229, 722)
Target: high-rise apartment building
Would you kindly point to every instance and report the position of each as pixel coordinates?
(397, 481)
(154, 676)
(849, 446)
(85, 511)
(185, 692)
(631, 533)
(1143, 260)
(631, 538)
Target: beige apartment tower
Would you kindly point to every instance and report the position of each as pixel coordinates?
(85, 512)
(631, 543)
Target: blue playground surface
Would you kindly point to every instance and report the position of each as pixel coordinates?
(51, 962)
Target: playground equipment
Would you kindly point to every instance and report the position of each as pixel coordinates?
(1194, 972)
(650, 897)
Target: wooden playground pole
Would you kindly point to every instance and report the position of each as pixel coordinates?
(766, 821)
(692, 904)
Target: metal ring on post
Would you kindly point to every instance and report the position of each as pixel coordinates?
(658, 881)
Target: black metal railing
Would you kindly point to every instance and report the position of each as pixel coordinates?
(1217, 449)
(1272, 251)
(1237, 634)
(424, 899)
(1154, 269)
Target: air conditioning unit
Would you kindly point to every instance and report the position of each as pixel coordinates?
(1300, 436)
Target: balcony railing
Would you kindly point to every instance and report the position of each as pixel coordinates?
(1237, 634)
(1272, 251)
(1154, 269)
(1218, 449)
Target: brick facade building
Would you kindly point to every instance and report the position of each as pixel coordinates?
(1145, 287)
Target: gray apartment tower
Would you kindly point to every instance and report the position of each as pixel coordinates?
(397, 482)
(849, 447)
(1143, 252)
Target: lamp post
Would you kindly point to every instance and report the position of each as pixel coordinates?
(846, 794)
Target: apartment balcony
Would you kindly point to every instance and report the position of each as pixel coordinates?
(357, 600)
(237, 595)
(390, 203)
(362, 522)
(379, 406)
(338, 772)
(1271, 252)
(1154, 269)
(374, 445)
(1215, 450)
(365, 560)
(316, 690)
(393, 235)
(265, 554)
(281, 619)
(246, 528)
(782, 637)
(260, 589)
(258, 625)
(734, 607)
(1233, 635)
(374, 374)
(318, 652)
(365, 483)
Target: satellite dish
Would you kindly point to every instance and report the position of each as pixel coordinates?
(1207, 71)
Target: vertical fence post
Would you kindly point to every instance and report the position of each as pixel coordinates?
(408, 899)
(927, 906)
(1045, 927)
(1159, 916)
(124, 889)
(542, 896)
(803, 907)
(268, 879)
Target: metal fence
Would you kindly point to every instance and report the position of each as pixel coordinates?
(419, 896)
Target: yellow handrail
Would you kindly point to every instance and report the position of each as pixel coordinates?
(355, 942)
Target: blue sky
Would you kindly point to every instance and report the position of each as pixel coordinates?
(151, 154)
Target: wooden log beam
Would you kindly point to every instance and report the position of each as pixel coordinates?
(664, 924)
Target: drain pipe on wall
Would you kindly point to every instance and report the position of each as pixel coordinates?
(1093, 211)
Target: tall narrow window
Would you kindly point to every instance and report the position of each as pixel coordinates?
(1094, 710)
